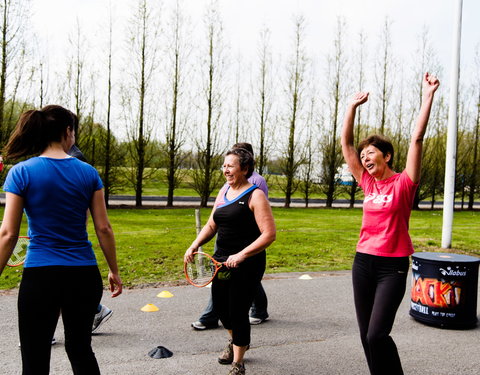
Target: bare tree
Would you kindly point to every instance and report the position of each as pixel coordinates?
(383, 75)
(464, 148)
(205, 178)
(433, 161)
(108, 141)
(237, 120)
(424, 60)
(178, 52)
(21, 73)
(400, 128)
(307, 168)
(142, 49)
(291, 160)
(88, 142)
(264, 94)
(361, 56)
(41, 76)
(13, 17)
(76, 75)
(336, 85)
(473, 178)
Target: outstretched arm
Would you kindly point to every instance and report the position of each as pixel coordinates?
(348, 148)
(414, 157)
(106, 238)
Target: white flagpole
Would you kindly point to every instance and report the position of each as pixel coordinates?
(449, 193)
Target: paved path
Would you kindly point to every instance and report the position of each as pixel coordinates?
(311, 331)
(161, 201)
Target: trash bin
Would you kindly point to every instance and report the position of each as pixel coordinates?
(444, 289)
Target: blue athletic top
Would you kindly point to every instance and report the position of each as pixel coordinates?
(56, 195)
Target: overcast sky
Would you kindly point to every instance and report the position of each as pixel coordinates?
(54, 19)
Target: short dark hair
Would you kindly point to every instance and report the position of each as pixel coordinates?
(381, 142)
(245, 145)
(245, 158)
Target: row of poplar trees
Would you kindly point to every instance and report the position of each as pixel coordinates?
(161, 92)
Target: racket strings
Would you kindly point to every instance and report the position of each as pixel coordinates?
(201, 270)
(19, 252)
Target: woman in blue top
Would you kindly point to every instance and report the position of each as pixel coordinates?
(243, 221)
(60, 271)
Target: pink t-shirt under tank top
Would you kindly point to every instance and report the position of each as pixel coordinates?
(386, 213)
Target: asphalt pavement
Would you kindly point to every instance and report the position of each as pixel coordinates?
(311, 331)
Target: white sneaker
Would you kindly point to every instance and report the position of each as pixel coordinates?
(198, 325)
(255, 321)
(101, 317)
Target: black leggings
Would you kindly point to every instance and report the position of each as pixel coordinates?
(44, 293)
(232, 298)
(379, 286)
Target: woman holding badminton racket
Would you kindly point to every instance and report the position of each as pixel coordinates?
(243, 221)
(60, 272)
(381, 263)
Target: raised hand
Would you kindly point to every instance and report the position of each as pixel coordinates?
(430, 83)
(359, 98)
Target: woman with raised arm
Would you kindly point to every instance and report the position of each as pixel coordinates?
(60, 272)
(381, 262)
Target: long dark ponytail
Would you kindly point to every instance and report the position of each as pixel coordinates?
(35, 130)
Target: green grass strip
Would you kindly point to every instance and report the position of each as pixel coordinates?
(151, 242)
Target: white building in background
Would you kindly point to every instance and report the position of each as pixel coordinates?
(343, 175)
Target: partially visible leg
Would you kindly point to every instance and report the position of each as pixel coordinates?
(208, 317)
(38, 311)
(78, 311)
(244, 287)
(220, 301)
(390, 291)
(239, 353)
(260, 304)
(364, 287)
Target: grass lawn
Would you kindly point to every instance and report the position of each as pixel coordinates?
(151, 243)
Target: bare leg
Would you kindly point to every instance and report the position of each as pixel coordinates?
(238, 353)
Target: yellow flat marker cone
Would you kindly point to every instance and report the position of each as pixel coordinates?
(149, 307)
(165, 294)
(305, 277)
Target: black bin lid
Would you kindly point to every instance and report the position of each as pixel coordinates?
(446, 257)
